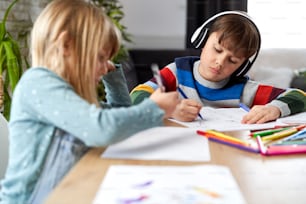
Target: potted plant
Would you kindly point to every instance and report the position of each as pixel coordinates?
(10, 64)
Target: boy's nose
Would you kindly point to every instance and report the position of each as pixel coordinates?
(220, 62)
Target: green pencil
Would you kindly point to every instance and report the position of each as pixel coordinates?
(268, 132)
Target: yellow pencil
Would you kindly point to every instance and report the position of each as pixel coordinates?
(222, 136)
(283, 133)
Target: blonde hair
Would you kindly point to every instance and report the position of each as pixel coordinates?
(89, 30)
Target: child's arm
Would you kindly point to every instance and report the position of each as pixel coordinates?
(290, 102)
(116, 89)
(271, 103)
(55, 104)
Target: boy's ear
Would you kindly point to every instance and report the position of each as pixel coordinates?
(64, 44)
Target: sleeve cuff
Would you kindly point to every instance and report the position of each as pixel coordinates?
(283, 107)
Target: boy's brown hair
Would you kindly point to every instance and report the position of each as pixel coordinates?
(238, 34)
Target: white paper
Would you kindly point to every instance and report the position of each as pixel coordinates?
(162, 143)
(299, 118)
(129, 184)
(224, 119)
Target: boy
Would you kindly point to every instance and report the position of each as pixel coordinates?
(231, 42)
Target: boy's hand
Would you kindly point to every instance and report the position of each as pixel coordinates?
(261, 114)
(187, 110)
(165, 100)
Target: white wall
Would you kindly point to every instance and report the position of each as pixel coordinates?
(153, 24)
(156, 24)
(281, 23)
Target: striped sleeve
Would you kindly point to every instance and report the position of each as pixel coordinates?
(295, 101)
(169, 79)
(142, 91)
(289, 101)
(265, 94)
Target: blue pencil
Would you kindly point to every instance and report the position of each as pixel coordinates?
(244, 107)
(184, 95)
(299, 135)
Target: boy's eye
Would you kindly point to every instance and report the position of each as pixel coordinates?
(218, 50)
(232, 61)
(236, 60)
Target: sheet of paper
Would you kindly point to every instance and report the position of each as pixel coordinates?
(299, 118)
(224, 119)
(162, 143)
(168, 184)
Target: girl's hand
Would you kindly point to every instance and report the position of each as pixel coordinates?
(187, 110)
(110, 66)
(261, 114)
(166, 101)
(102, 69)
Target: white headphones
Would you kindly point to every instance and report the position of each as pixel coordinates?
(200, 36)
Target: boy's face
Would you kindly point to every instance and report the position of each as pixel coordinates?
(217, 62)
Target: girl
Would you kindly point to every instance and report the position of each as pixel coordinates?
(55, 114)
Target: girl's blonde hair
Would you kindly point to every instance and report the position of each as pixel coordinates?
(89, 30)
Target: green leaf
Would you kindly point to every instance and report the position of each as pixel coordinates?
(10, 62)
(13, 68)
(16, 51)
(2, 31)
(2, 58)
(8, 11)
(7, 105)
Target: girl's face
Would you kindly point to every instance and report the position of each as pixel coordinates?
(102, 65)
(217, 62)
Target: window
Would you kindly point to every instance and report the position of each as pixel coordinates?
(282, 23)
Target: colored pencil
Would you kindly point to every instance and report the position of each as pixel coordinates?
(244, 107)
(262, 133)
(283, 133)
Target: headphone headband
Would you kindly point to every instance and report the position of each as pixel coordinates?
(199, 38)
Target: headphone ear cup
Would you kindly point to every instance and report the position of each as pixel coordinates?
(243, 69)
(199, 38)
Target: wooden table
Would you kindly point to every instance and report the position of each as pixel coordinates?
(262, 180)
